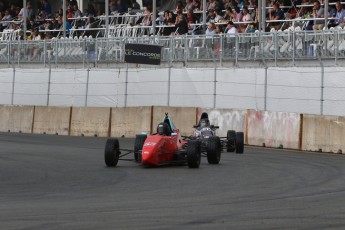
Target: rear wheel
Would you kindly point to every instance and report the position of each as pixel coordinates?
(239, 142)
(138, 145)
(112, 152)
(231, 141)
(213, 149)
(193, 154)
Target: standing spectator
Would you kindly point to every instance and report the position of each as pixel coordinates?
(29, 12)
(318, 12)
(47, 8)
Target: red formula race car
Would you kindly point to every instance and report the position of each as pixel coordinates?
(162, 148)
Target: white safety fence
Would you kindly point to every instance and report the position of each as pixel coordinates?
(302, 90)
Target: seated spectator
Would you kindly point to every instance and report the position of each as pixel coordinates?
(228, 15)
(196, 5)
(246, 18)
(76, 13)
(318, 12)
(188, 6)
(211, 30)
(340, 16)
(7, 17)
(181, 25)
(237, 16)
(276, 14)
(231, 29)
(211, 5)
(218, 18)
(135, 5)
(219, 29)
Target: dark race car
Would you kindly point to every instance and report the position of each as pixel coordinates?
(211, 144)
(162, 148)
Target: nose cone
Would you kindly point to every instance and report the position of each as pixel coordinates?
(151, 150)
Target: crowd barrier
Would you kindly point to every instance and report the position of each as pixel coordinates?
(292, 45)
(261, 128)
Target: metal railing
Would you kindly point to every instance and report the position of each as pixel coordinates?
(290, 45)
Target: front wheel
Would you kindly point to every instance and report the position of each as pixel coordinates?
(213, 149)
(138, 146)
(112, 152)
(193, 154)
(239, 142)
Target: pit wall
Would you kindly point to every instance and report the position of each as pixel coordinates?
(261, 128)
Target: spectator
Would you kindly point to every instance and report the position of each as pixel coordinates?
(218, 18)
(228, 15)
(196, 5)
(318, 12)
(29, 12)
(340, 15)
(76, 13)
(6, 17)
(231, 29)
(47, 8)
(181, 25)
(211, 30)
(276, 14)
(135, 5)
(237, 15)
(188, 6)
(191, 18)
(246, 18)
(219, 29)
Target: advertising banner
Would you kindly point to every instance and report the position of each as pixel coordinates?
(143, 54)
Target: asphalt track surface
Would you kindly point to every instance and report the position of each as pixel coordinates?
(56, 182)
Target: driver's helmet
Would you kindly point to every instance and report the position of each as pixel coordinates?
(204, 123)
(163, 129)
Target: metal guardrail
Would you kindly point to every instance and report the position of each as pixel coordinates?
(291, 45)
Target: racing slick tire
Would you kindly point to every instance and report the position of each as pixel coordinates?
(112, 152)
(213, 149)
(231, 141)
(239, 142)
(193, 154)
(138, 145)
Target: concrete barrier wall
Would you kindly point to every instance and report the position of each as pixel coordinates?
(90, 121)
(130, 121)
(226, 119)
(291, 130)
(324, 133)
(183, 118)
(52, 120)
(274, 129)
(16, 118)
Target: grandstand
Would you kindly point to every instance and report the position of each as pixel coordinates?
(95, 37)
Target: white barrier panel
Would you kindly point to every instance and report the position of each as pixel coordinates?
(226, 119)
(16, 118)
(192, 87)
(325, 133)
(334, 93)
(183, 118)
(274, 129)
(240, 88)
(147, 87)
(52, 120)
(285, 85)
(89, 121)
(68, 87)
(6, 80)
(31, 87)
(107, 88)
(130, 121)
